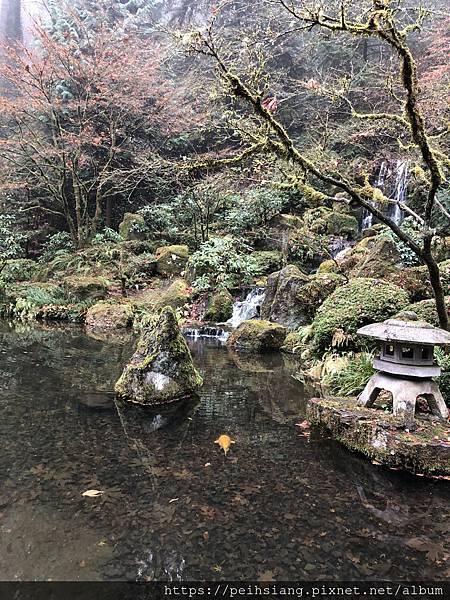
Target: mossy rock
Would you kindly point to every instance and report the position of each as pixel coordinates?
(161, 370)
(267, 261)
(426, 310)
(416, 281)
(292, 298)
(80, 287)
(132, 227)
(328, 266)
(294, 344)
(359, 302)
(73, 313)
(171, 260)
(317, 289)
(381, 437)
(323, 220)
(342, 224)
(176, 295)
(139, 269)
(280, 304)
(18, 269)
(219, 307)
(257, 336)
(105, 315)
(382, 260)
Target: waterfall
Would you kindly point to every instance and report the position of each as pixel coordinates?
(17, 18)
(399, 192)
(248, 308)
(394, 190)
(11, 21)
(367, 220)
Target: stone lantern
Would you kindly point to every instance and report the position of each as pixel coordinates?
(406, 365)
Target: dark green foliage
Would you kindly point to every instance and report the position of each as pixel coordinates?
(12, 241)
(220, 263)
(59, 244)
(351, 380)
(19, 269)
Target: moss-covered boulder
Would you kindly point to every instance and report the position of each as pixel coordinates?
(161, 370)
(18, 269)
(257, 336)
(292, 298)
(328, 266)
(426, 310)
(171, 260)
(359, 302)
(323, 220)
(219, 307)
(381, 260)
(280, 304)
(78, 287)
(315, 291)
(132, 227)
(294, 343)
(267, 261)
(105, 315)
(175, 295)
(416, 280)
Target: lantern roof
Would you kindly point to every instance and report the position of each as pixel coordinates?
(407, 327)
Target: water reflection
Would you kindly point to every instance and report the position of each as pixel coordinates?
(173, 507)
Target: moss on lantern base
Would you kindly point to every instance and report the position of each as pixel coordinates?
(382, 437)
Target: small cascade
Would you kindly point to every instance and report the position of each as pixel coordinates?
(249, 308)
(367, 220)
(207, 331)
(243, 310)
(399, 192)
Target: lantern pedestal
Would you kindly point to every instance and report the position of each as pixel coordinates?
(405, 392)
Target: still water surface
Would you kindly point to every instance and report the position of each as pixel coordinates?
(281, 507)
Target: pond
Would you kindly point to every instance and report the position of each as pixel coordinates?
(281, 506)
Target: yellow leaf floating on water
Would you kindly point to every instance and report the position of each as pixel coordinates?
(92, 493)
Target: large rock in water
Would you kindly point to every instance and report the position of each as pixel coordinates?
(161, 370)
(257, 336)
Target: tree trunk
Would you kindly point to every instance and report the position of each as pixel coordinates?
(436, 284)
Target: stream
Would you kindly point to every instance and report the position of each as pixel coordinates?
(282, 506)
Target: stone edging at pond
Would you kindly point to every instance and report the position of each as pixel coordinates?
(381, 436)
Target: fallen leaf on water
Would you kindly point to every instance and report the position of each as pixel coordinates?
(266, 576)
(433, 551)
(92, 493)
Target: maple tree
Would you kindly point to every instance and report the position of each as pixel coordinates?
(83, 117)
